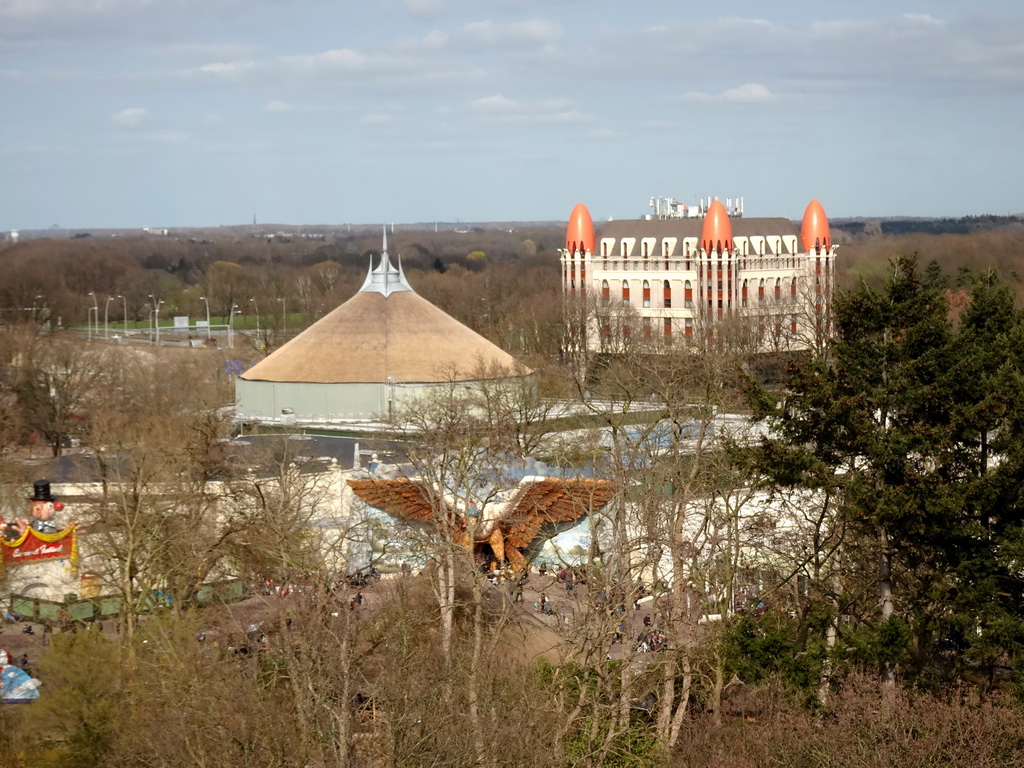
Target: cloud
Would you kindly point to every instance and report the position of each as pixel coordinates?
(425, 7)
(549, 111)
(207, 51)
(378, 119)
(491, 33)
(229, 69)
(277, 106)
(748, 93)
(131, 118)
(36, 9)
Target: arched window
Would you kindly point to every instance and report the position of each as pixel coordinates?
(668, 327)
(687, 294)
(743, 298)
(647, 294)
(625, 293)
(792, 292)
(778, 289)
(668, 294)
(689, 327)
(760, 292)
(606, 292)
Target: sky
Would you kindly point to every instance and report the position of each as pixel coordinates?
(164, 113)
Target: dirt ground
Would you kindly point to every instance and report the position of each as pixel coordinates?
(537, 634)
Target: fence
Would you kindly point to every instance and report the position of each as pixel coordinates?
(106, 606)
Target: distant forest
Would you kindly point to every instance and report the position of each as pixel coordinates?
(503, 280)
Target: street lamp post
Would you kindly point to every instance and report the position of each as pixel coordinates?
(106, 319)
(231, 320)
(96, 309)
(207, 315)
(257, 306)
(156, 317)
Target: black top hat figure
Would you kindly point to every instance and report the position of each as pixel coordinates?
(41, 491)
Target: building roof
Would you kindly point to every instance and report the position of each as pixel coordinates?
(386, 331)
(693, 227)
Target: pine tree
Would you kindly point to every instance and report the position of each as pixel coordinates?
(870, 424)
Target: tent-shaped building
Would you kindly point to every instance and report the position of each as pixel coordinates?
(384, 346)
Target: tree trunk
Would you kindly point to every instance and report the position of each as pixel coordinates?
(885, 593)
(683, 706)
(716, 691)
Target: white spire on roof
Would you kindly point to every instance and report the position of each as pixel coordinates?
(385, 279)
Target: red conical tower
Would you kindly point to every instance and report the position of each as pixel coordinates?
(717, 232)
(579, 236)
(814, 232)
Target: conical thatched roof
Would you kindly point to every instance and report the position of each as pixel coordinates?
(386, 331)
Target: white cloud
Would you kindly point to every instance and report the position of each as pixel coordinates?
(378, 119)
(207, 51)
(492, 33)
(425, 7)
(229, 69)
(549, 111)
(131, 117)
(277, 106)
(747, 93)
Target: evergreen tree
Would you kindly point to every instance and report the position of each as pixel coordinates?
(914, 429)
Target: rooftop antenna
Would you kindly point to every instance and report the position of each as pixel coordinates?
(384, 263)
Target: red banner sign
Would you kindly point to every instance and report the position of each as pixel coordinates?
(33, 545)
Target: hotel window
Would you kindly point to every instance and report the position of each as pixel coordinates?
(647, 294)
(625, 293)
(606, 294)
(668, 294)
(778, 289)
(792, 292)
(688, 294)
(760, 292)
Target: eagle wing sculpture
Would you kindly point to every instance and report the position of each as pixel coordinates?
(509, 527)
